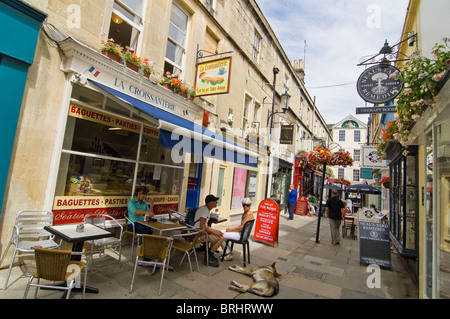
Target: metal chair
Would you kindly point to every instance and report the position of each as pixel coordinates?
(348, 228)
(154, 250)
(99, 245)
(28, 233)
(55, 265)
(186, 243)
(133, 232)
(243, 240)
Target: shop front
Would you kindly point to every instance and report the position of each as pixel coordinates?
(122, 131)
(404, 204)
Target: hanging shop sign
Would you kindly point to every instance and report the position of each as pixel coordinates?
(213, 77)
(369, 157)
(376, 110)
(376, 84)
(267, 222)
(287, 134)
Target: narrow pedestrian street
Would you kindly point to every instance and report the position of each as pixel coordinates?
(309, 270)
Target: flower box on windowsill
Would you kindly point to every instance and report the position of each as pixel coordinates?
(113, 56)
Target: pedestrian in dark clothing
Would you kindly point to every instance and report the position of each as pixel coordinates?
(334, 209)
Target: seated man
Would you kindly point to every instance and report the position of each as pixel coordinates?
(215, 237)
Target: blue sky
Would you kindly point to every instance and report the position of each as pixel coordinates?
(338, 34)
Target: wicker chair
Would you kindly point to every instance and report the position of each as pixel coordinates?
(55, 265)
(28, 233)
(186, 243)
(154, 250)
(99, 245)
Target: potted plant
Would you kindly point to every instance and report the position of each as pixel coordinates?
(131, 60)
(111, 50)
(386, 182)
(191, 93)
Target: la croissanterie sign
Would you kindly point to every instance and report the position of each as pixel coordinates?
(213, 77)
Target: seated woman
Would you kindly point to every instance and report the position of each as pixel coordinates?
(235, 233)
(137, 209)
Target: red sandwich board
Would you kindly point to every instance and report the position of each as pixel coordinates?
(267, 222)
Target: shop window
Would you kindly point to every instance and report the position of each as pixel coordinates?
(176, 42)
(443, 183)
(404, 202)
(105, 155)
(244, 185)
(429, 220)
(126, 22)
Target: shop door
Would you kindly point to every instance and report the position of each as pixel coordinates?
(194, 182)
(220, 189)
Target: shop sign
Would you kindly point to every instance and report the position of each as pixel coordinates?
(267, 222)
(377, 84)
(72, 209)
(287, 134)
(100, 117)
(302, 206)
(374, 244)
(369, 157)
(213, 77)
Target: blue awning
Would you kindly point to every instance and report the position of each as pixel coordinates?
(183, 135)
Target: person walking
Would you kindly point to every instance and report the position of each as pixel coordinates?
(334, 209)
(292, 200)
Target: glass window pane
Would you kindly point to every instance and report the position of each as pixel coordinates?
(95, 138)
(82, 175)
(178, 18)
(177, 35)
(135, 5)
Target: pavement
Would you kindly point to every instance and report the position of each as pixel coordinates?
(309, 270)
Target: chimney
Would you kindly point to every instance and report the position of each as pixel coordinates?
(298, 68)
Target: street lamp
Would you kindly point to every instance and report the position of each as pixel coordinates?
(284, 106)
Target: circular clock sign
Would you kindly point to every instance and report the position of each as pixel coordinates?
(375, 85)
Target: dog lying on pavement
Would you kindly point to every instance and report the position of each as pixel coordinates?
(265, 283)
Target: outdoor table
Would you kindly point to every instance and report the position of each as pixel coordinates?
(162, 226)
(69, 234)
(216, 220)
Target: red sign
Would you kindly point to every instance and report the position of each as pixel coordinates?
(302, 206)
(267, 221)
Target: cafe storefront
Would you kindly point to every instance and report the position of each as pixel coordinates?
(121, 132)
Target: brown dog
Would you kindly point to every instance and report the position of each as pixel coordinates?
(265, 283)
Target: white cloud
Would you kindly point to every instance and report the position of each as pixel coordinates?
(338, 34)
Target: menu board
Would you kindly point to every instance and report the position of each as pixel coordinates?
(267, 222)
(302, 206)
(374, 244)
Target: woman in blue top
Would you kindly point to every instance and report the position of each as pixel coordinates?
(137, 209)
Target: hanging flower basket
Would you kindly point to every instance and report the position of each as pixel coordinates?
(341, 159)
(319, 155)
(386, 182)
